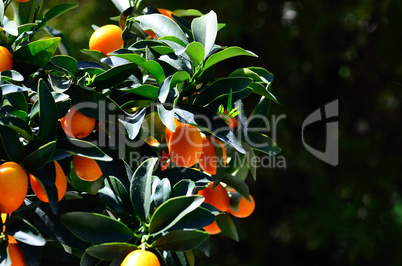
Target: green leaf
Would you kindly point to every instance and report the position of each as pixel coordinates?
(116, 196)
(196, 52)
(205, 29)
(24, 231)
(133, 122)
(13, 75)
(162, 26)
(18, 125)
(113, 76)
(237, 184)
(196, 219)
(65, 63)
(56, 11)
(141, 188)
(11, 28)
(260, 110)
(181, 240)
(261, 142)
(226, 54)
(263, 91)
(111, 251)
(37, 53)
(82, 148)
(40, 156)
(48, 118)
(177, 174)
(250, 160)
(227, 226)
(187, 12)
(220, 90)
(160, 190)
(96, 228)
(145, 90)
(152, 67)
(11, 88)
(171, 211)
(11, 143)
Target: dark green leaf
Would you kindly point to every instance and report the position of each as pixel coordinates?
(111, 251)
(24, 231)
(113, 76)
(261, 142)
(237, 184)
(82, 148)
(40, 156)
(133, 122)
(144, 90)
(11, 75)
(160, 190)
(171, 211)
(141, 190)
(96, 228)
(66, 63)
(11, 144)
(180, 240)
(116, 196)
(176, 174)
(48, 118)
(18, 125)
(227, 226)
(250, 160)
(196, 219)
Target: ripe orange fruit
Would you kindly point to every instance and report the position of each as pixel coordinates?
(246, 207)
(140, 257)
(3, 220)
(77, 125)
(217, 197)
(60, 183)
(212, 229)
(185, 145)
(13, 186)
(166, 12)
(230, 121)
(106, 39)
(6, 59)
(86, 168)
(16, 255)
(208, 160)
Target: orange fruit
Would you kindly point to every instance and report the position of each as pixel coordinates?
(212, 229)
(246, 207)
(166, 12)
(208, 160)
(140, 257)
(77, 125)
(60, 183)
(15, 253)
(3, 220)
(106, 39)
(230, 121)
(86, 168)
(217, 197)
(6, 59)
(13, 186)
(185, 145)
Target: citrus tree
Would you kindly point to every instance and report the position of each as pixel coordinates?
(137, 155)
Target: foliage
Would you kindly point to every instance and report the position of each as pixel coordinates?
(134, 93)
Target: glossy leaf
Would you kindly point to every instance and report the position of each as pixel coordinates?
(56, 11)
(261, 142)
(177, 174)
(226, 54)
(82, 148)
(38, 52)
(152, 67)
(205, 29)
(47, 113)
(227, 226)
(24, 231)
(96, 228)
(113, 76)
(65, 63)
(180, 240)
(111, 251)
(145, 90)
(141, 188)
(40, 156)
(171, 211)
(11, 144)
(162, 26)
(133, 122)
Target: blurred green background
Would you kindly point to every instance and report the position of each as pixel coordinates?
(309, 212)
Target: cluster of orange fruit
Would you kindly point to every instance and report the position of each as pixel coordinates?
(16, 255)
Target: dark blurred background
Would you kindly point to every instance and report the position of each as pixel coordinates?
(309, 212)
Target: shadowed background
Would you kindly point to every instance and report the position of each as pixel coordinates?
(309, 212)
